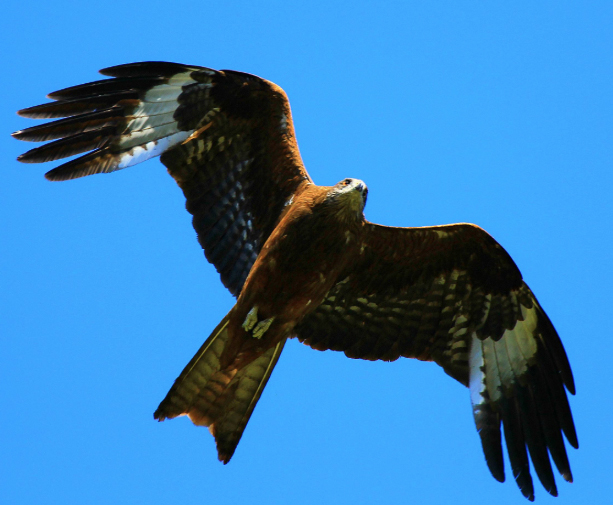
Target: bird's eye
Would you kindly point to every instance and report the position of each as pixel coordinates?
(346, 182)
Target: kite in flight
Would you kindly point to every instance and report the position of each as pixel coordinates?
(304, 262)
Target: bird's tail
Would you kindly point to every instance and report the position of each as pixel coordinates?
(224, 399)
(122, 121)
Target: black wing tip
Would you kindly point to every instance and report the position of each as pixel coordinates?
(33, 112)
(69, 171)
(146, 68)
(500, 477)
(566, 374)
(570, 431)
(65, 93)
(55, 176)
(28, 157)
(569, 383)
(526, 485)
(28, 134)
(551, 487)
(492, 449)
(32, 156)
(20, 134)
(555, 348)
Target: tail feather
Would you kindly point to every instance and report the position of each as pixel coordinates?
(248, 384)
(222, 399)
(200, 382)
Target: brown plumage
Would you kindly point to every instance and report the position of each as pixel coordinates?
(303, 262)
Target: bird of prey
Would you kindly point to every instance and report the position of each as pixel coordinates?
(304, 262)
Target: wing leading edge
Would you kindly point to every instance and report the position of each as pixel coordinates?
(226, 137)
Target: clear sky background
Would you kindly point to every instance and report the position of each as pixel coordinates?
(496, 113)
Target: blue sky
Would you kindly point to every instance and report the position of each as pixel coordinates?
(450, 111)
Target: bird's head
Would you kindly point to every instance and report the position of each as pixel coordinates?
(349, 195)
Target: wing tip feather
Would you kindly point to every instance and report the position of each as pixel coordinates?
(147, 69)
(24, 113)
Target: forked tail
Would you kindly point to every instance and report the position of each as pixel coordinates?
(223, 400)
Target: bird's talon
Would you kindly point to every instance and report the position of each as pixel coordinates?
(261, 327)
(251, 319)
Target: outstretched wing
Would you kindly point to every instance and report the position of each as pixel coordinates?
(451, 294)
(226, 137)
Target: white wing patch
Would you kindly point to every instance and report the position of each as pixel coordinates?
(477, 372)
(498, 365)
(141, 153)
(152, 128)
